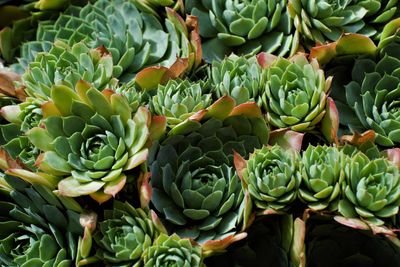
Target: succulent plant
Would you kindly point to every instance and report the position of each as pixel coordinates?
(268, 243)
(178, 100)
(320, 21)
(238, 77)
(371, 189)
(67, 65)
(245, 26)
(124, 234)
(90, 139)
(371, 97)
(195, 188)
(322, 173)
(271, 176)
(172, 251)
(295, 93)
(154, 6)
(38, 228)
(330, 244)
(135, 39)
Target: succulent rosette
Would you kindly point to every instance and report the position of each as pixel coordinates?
(195, 188)
(322, 173)
(124, 234)
(38, 228)
(245, 26)
(271, 177)
(172, 251)
(90, 139)
(269, 242)
(135, 40)
(321, 21)
(67, 65)
(238, 77)
(330, 244)
(295, 93)
(180, 99)
(371, 189)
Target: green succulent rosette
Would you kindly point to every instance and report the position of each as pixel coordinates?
(322, 173)
(19, 22)
(124, 234)
(371, 97)
(172, 251)
(238, 77)
(295, 93)
(66, 65)
(38, 228)
(271, 176)
(242, 27)
(195, 188)
(135, 39)
(180, 99)
(329, 244)
(371, 189)
(320, 21)
(21, 118)
(90, 140)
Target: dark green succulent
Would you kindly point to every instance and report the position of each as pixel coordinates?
(371, 189)
(329, 244)
(244, 26)
(38, 228)
(195, 188)
(268, 244)
(124, 234)
(238, 77)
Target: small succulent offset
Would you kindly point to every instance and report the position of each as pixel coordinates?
(271, 177)
(90, 139)
(194, 185)
(38, 228)
(243, 27)
(295, 93)
(173, 251)
(124, 234)
(322, 173)
(237, 76)
(371, 189)
(319, 21)
(178, 100)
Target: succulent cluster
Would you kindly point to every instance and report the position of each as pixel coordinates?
(193, 133)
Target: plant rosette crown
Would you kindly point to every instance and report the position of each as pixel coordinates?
(90, 140)
(125, 233)
(244, 27)
(271, 177)
(295, 92)
(371, 189)
(322, 173)
(173, 251)
(193, 185)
